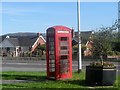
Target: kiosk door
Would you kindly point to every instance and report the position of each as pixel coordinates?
(64, 54)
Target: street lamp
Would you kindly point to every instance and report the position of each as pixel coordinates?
(79, 39)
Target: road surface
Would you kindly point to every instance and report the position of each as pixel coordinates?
(37, 65)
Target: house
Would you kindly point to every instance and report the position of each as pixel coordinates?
(89, 46)
(85, 40)
(17, 45)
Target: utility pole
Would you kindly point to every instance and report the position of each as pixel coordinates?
(79, 39)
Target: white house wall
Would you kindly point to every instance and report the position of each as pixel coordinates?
(5, 43)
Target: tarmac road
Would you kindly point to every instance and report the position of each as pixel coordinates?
(25, 65)
(38, 65)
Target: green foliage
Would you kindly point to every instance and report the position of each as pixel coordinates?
(101, 42)
(27, 54)
(107, 40)
(117, 53)
(100, 64)
(75, 47)
(39, 51)
(113, 53)
(116, 46)
(110, 53)
(83, 47)
(42, 47)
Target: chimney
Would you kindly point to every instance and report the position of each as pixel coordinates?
(38, 34)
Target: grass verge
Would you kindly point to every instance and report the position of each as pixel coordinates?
(36, 80)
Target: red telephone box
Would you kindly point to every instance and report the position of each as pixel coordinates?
(59, 52)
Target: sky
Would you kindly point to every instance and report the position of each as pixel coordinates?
(38, 16)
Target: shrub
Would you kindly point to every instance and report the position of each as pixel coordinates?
(100, 64)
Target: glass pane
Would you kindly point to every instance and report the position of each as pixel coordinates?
(63, 38)
(63, 43)
(52, 61)
(65, 61)
(64, 65)
(51, 39)
(51, 52)
(64, 69)
(63, 47)
(52, 57)
(52, 65)
(51, 43)
(52, 69)
(64, 52)
(64, 57)
(51, 48)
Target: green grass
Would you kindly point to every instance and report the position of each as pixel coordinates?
(38, 80)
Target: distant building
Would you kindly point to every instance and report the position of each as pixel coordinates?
(17, 45)
(85, 35)
(85, 40)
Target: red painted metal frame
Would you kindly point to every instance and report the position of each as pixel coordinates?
(57, 75)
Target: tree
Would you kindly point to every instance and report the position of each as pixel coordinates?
(105, 40)
(101, 43)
